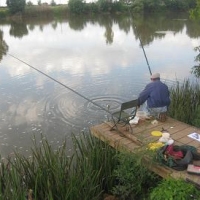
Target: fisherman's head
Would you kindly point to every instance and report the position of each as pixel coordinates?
(155, 76)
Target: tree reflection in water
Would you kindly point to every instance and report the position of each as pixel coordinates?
(3, 46)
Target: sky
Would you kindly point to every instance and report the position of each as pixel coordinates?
(35, 2)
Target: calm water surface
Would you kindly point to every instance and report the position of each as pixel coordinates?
(100, 58)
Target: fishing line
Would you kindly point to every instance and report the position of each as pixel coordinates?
(89, 100)
(141, 43)
(79, 94)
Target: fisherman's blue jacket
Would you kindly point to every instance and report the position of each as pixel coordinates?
(156, 94)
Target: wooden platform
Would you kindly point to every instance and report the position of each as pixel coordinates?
(141, 136)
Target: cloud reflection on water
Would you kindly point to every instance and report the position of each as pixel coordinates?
(83, 61)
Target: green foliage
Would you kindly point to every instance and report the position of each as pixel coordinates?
(180, 4)
(54, 174)
(185, 98)
(104, 5)
(196, 121)
(195, 12)
(174, 189)
(137, 6)
(109, 6)
(3, 13)
(118, 6)
(16, 6)
(76, 6)
(133, 178)
(98, 156)
(196, 70)
(91, 7)
(153, 5)
(59, 11)
(176, 4)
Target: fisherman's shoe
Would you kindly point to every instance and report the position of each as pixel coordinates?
(163, 117)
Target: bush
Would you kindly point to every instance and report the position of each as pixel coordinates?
(195, 12)
(174, 189)
(132, 178)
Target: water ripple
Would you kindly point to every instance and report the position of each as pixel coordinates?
(78, 111)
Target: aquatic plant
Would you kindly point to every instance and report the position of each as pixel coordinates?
(52, 174)
(185, 99)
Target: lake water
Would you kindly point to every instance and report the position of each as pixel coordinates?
(82, 60)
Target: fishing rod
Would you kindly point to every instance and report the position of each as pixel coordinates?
(79, 94)
(141, 44)
(144, 51)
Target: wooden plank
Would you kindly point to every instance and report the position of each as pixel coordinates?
(122, 139)
(125, 133)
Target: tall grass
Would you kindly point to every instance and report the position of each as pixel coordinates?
(185, 102)
(91, 171)
(52, 174)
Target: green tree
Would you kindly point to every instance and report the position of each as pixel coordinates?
(104, 5)
(76, 6)
(153, 4)
(180, 4)
(195, 13)
(16, 6)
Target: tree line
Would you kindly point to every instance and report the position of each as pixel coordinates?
(79, 6)
(112, 6)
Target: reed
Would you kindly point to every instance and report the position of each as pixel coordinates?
(53, 174)
(185, 100)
